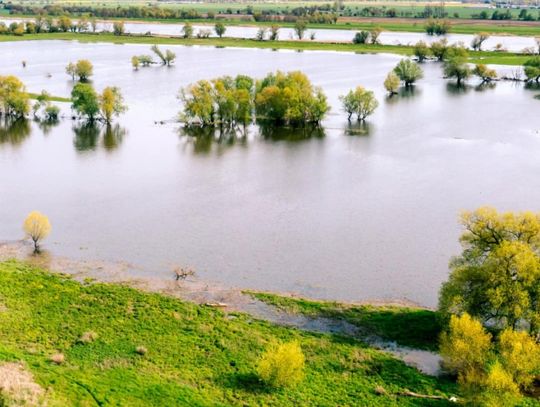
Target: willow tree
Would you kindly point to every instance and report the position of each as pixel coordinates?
(497, 276)
(408, 71)
(111, 103)
(37, 227)
(360, 102)
(14, 101)
(290, 99)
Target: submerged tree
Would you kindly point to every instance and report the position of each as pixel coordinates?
(478, 40)
(14, 101)
(187, 30)
(408, 71)
(360, 102)
(111, 103)
(166, 58)
(83, 69)
(37, 227)
(421, 51)
(224, 102)
(455, 64)
(532, 69)
(300, 28)
(484, 73)
(220, 29)
(87, 102)
(391, 83)
(289, 98)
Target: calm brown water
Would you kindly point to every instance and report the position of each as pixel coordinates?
(341, 216)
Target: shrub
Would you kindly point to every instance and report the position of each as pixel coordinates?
(421, 51)
(391, 83)
(360, 101)
(408, 71)
(282, 365)
(88, 337)
(141, 350)
(57, 358)
(484, 73)
(439, 49)
(361, 37)
(532, 69)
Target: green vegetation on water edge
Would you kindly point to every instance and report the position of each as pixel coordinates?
(50, 98)
(196, 355)
(414, 327)
(486, 57)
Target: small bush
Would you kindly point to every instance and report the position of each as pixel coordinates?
(88, 337)
(57, 358)
(282, 365)
(141, 350)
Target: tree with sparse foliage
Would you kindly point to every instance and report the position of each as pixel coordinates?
(135, 62)
(408, 71)
(484, 73)
(439, 49)
(282, 365)
(478, 40)
(300, 28)
(118, 28)
(455, 64)
(360, 102)
(83, 69)
(391, 83)
(421, 51)
(166, 58)
(37, 227)
(187, 30)
(274, 33)
(220, 29)
(374, 34)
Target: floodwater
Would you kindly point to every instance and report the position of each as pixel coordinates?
(356, 214)
(510, 43)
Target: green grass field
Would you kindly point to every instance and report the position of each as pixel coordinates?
(487, 57)
(196, 355)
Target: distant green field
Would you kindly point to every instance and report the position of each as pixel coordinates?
(500, 58)
(462, 11)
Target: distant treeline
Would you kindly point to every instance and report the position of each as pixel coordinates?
(314, 14)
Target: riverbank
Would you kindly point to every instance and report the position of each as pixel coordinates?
(486, 57)
(188, 353)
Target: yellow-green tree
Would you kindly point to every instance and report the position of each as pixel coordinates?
(14, 101)
(465, 346)
(111, 103)
(520, 356)
(282, 365)
(497, 276)
(37, 227)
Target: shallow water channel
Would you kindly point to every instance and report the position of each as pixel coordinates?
(362, 213)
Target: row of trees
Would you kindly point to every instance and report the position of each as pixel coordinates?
(492, 305)
(279, 98)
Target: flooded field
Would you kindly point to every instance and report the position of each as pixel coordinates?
(512, 43)
(368, 212)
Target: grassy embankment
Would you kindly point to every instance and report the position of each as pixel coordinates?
(51, 98)
(413, 327)
(487, 57)
(196, 355)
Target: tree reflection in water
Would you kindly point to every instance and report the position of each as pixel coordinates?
(88, 135)
(203, 139)
(293, 134)
(14, 131)
(358, 128)
(46, 125)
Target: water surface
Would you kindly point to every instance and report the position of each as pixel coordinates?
(348, 214)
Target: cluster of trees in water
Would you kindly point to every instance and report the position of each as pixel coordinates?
(279, 98)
